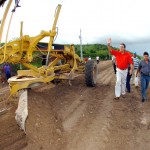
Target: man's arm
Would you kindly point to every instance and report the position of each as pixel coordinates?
(131, 64)
(108, 44)
(131, 68)
(139, 69)
(109, 47)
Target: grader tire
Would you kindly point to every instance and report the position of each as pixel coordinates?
(91, 72)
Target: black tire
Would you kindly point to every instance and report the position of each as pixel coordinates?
(91, 72)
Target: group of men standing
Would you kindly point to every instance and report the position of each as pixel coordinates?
(89, 58)
(126, 67)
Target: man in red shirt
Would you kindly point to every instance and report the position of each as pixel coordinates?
(123, 59)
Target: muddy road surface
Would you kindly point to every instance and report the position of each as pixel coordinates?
(77, 117)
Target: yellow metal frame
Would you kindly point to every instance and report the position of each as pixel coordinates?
(21, 51)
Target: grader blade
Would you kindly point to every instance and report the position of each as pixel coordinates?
(22, 110)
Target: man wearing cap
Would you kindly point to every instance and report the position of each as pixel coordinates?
(144, 69)
(123, 59)
(136, 62)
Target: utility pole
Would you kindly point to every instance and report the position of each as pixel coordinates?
(80, 37)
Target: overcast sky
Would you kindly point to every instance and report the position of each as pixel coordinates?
(125, 21)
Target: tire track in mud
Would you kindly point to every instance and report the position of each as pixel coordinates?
(93, 126)
(11, 137)
(4, 93)
(73, 118)
(103, 65)
(141, 119)
(79, 105)
(127, 131)
(106, 76)
(4, 90)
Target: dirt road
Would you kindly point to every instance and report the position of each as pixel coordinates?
(80, 118)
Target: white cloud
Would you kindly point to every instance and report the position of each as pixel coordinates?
(123, 21)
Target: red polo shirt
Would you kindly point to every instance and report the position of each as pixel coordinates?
(122, 59)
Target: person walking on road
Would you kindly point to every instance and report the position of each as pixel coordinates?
(144, 69)
(97, 59)
(123, 58)
(114, 63)
(128, 87)
(7, 71)
(89, 58)
(136, 62)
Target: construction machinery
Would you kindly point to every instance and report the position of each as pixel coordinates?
(61, 63)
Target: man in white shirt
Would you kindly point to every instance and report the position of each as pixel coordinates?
(97, 59)
(89, 58)
(136, 62)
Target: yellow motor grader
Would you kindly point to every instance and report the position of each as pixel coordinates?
(61, 62)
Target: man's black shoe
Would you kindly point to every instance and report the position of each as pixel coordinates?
(143, 100)
(13, 10)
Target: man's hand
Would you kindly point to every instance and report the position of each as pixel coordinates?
(130, 72)
(131, 69)
(109, 41)
(138, 70)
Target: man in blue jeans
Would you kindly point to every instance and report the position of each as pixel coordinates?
(7, 71)
(144, 69)
(128, 87)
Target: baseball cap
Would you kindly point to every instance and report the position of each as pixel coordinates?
(134, 53)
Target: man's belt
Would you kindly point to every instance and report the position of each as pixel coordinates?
(122, 69)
